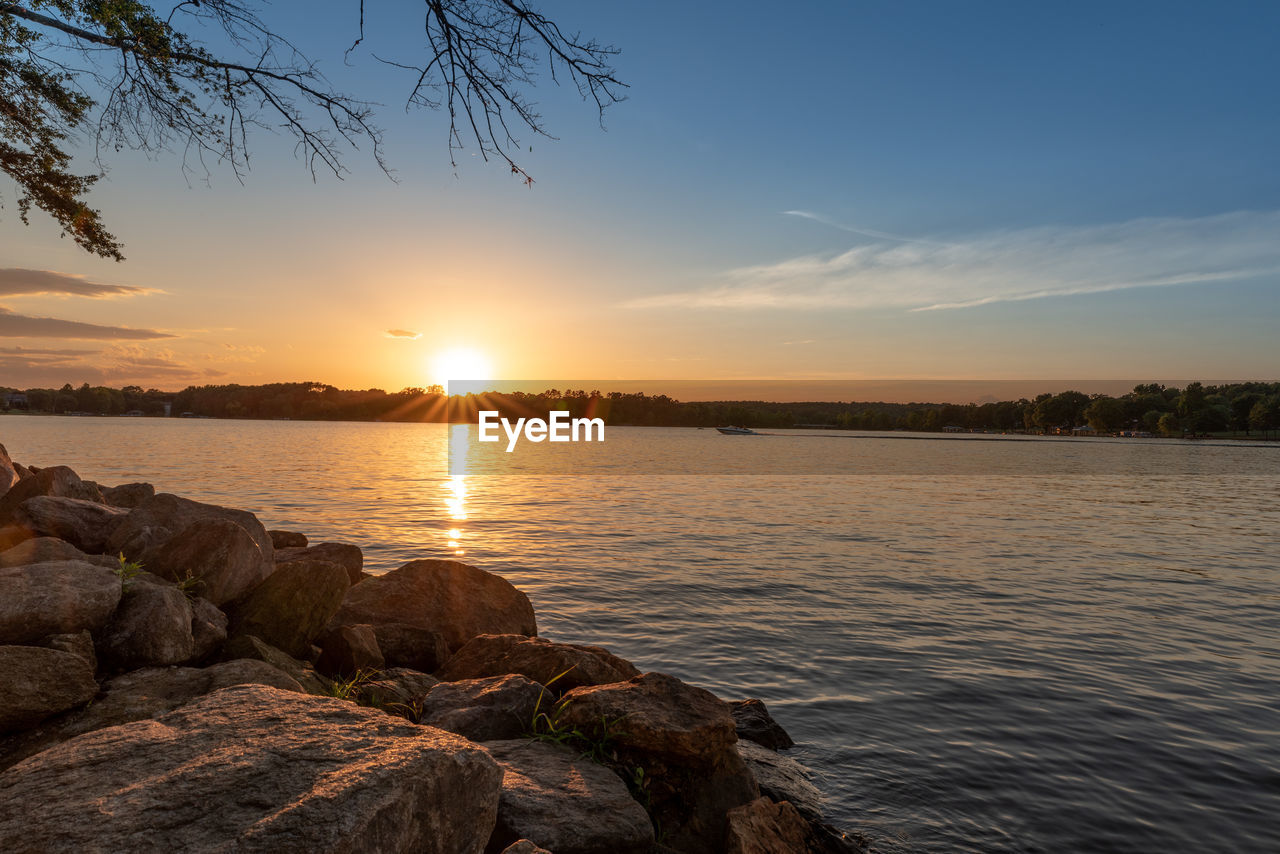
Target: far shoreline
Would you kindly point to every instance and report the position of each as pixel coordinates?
(815, 431)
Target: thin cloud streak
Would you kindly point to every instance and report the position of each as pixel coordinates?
(18, 281)
(14, 325)
(865, 232)
(403, 333)
(1007, 266)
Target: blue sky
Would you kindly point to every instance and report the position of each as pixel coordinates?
(847, 189)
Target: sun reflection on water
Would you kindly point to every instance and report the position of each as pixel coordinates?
(456, 502)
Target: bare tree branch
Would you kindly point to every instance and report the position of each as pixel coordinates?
(159, 88)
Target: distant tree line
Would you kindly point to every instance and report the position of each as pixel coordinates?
(96, 400)
(1150, 408)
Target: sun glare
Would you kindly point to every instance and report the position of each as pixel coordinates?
(460, 364)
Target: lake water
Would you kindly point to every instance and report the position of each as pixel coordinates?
(1040, 645)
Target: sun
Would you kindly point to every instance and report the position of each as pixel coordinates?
(460, 363)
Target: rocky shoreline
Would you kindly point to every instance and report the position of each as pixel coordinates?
(178, 678)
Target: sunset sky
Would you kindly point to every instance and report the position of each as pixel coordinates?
(809, 190)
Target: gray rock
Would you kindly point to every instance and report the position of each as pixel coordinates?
(76, 643)
(255, 769)
(247, 646)
(40, 682)
(753, 722)
(445, 596)
(347, 556)
(60, 597)
(559, 666)
(151, 628)
(139, 695)
(292, 606)
(781, 778)
(208, 628)
(83, 524)
(348, 651)
(497, 707)
(403, 645)
(128, 495)
(219, 553)
(287, 540)
(560, 801)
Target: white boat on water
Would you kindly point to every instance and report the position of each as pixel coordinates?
(737, 431)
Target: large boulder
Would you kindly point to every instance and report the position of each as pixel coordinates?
(46, 549)
(40, 682)
(151, 628)
(349, 651)
(247, 646)
(84, 524)
(683, 738)
(403, 645)
(219, 553)
(255, 769)
(498, 707)
(661, 716)
(559, 666)
(55, 598)
(753, 722)
(58, 481)
(139, 695)
(765, 827)
(292, 606)
(562, 802)
(445, 596)
(163, 517)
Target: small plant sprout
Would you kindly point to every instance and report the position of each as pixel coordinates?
(351, 688)
(127, 571)
(189, 584)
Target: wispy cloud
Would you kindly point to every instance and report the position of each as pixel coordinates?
(1006, 266)
(403, 333)
(13, 325)
(17, 281)
(118, 364)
